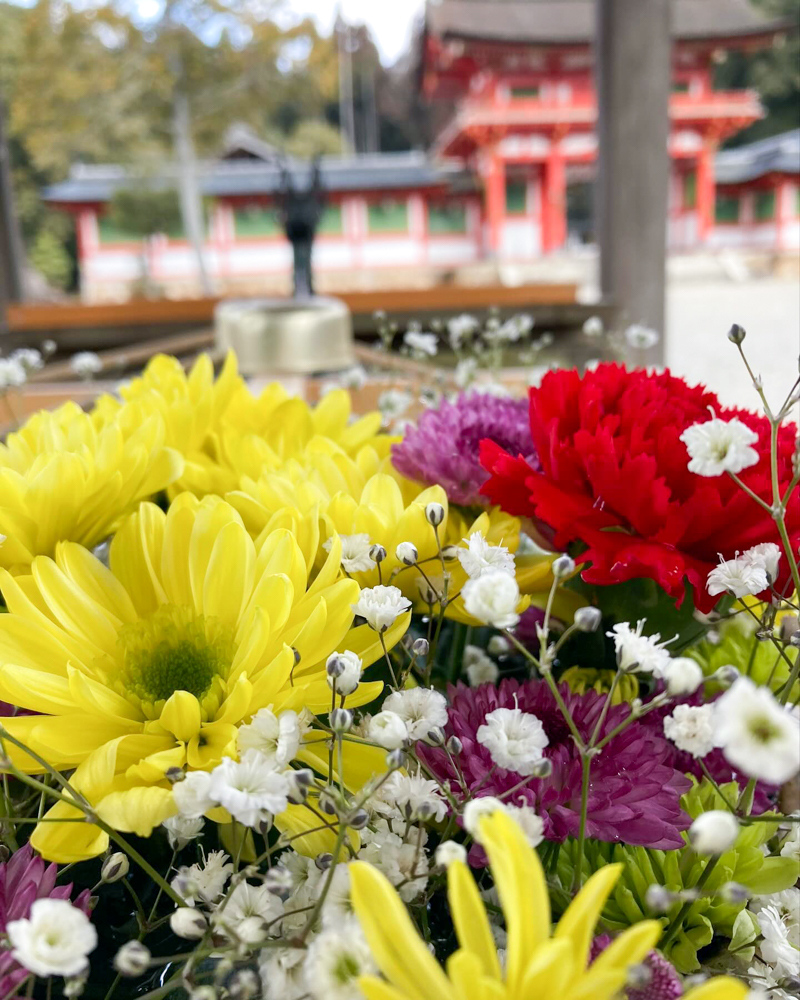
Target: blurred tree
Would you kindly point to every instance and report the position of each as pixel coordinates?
(145, 211)
(773, 72)
(49, 256)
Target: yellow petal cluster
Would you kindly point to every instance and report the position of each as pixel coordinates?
(70, 476)
(540, 961)
(153, 662)
(224, 432)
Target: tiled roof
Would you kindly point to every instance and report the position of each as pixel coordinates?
(777, 154)
(553, 22)
(376, 172)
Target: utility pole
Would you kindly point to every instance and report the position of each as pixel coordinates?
(632, 66)
(11, 252)
(347, 115)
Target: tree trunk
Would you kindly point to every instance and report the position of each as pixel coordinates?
(11, 256)
(188, 190)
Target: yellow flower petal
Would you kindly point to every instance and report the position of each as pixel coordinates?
(578, 922)
(470, 920)
(181, 716)
(137, 810)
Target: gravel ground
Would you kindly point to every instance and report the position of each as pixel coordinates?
(699, 314)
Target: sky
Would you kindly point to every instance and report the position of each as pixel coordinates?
(390, 21)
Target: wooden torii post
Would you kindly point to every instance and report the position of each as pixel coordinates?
(632, 65)
(10, 241)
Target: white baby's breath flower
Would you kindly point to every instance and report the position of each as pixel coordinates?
(30, 359)
(682, 676)
(449, 851)
(12, 374)
(492, 598)
(780, 944)
(719, 446)
(476, 809)
(381, 606)
(637, 653)
(510, 331)
(641, 338)
(404, 863)
(530, 822)
(344, 671)
(461, 328)
(182, 829)
(249, 788)
(411, 796)
(203, 883)
(514, 739)
(767, 555)
(354, 378)
(593, 327)
(355, 553)
(479, 668)
(276, 737)
(193, 794)
(421, 344)
(86, 364)
(388, 730)
(740, 576)
(244, 902)
(691, 729)
(55, 940)
(790, 848)
(465, 372)
(420, 708)
(758, 736)
(480, 557)
(393, 403)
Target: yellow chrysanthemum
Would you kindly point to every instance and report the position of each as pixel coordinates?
(224, 431)
(583, 679)
(69, 476)
(360, 498)
(538, 963)
(153, 663)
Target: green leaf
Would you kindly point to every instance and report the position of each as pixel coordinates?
(776, 874)
(745, 931)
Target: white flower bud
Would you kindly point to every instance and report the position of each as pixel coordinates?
(407, 553)
(188, 923)
(132, 959)
(683, 676)
(736, 334)
(449, 851)
(420, 647)
(341, 720)
(252, 930)
(588, 619)
(451, 551)
(344, 671)
(542, 768)
(714, 832)
(388, 730)
(735, 893)
(434, 513)
(377, 553)
(563, 566)
(396, 759)
(454, 746)
(498, 645)
(358, 820)
(115, 867)
(658, 899)
(726, 675)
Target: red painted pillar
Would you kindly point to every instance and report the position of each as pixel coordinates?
(554, 201)
(706, 191)
(782, 194)
(495, 186)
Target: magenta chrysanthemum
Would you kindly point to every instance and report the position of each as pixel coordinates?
(634, 794)
(24, 878)
(664, 984)
(443, 448)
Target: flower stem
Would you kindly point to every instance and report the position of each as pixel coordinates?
(675, 926)
(586, 765)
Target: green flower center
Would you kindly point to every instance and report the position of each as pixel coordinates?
(763, 728)
(173, 650)
(346, 970)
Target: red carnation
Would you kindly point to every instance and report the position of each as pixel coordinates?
(614, 476)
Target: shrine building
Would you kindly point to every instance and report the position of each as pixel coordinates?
(508, 179)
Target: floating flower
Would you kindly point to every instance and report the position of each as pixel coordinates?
(634, 794)
(614, 476)
(67, 476)
(535, 965)
(152, 664)
(443, 448)
(25, 878)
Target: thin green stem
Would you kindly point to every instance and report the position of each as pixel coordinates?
(675, 926)
(586, 765)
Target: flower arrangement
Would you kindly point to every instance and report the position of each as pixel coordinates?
(503, 707)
